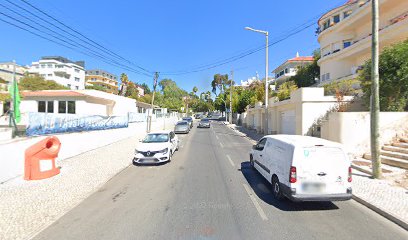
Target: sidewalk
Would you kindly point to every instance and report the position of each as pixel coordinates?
(379, 195)
(27, 207)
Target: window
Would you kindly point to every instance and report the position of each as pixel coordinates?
(326, 24)
(346, 44)
(49, 65)
(37, 66)
(281, 73)
(286, 70)
(76, 87)
(71, 107)
(347, 13)
(327, 76)
(50, 75)
(41, 106)
(76, 79)
(42, 65)
(336, 19)
(62, 107)
(260, 146)
(76, 70)
(69, 86)
(50, 106)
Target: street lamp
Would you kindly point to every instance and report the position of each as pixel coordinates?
(266, 75)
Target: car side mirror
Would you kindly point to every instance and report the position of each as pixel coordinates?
(255, 147)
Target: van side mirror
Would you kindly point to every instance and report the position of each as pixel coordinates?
(255, 146)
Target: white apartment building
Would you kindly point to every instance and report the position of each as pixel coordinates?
(345, 36)
(61, 70)
(7, 72)
(140, 91)
(290, 67)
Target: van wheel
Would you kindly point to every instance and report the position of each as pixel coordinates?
(277, 191)
(251, 161)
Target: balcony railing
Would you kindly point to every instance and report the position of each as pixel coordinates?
(359, 5)
(392, 22)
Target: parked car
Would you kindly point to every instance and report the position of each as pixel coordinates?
(204, 123)
(182, 127)
(303, 168)
(189, 120)
(156, 147)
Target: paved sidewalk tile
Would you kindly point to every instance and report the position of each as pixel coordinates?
(381, 194)
(29, 206)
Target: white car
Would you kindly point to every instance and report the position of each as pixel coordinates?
(156, 147)
(303, 168)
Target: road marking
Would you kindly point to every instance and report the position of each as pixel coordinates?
(222, 146)
(232, 163)
(255, 202)
(217, 137)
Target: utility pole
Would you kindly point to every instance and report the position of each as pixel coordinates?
(231, 87)
(266, 82)
(266, 74)
(149, 124)
(375, 93)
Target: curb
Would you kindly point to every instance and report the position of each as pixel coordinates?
(386, 215)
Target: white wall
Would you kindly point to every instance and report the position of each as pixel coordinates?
(122, 105)
(72, 144)
(353, 128)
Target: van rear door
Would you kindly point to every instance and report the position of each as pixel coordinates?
(323, 170)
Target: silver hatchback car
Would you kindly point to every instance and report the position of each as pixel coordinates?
(182, 127)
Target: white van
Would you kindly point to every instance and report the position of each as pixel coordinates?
(303, 168)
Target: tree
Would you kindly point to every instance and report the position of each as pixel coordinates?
(285, 89)
(244, 99)
(393, 78)
(36, 83)
(131, 90)
(219, 81)
(195, 90)
(306, 75)
(146, 88)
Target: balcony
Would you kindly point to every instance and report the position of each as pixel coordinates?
(394, 32)
(359, 11)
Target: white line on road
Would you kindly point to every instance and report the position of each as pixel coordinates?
(232, 163)
(222, 146)
(255, 202)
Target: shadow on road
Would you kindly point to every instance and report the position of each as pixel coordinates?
(263, 190)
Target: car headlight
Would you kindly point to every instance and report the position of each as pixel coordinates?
(163, 151)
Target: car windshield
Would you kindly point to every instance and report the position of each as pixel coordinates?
(204, 120)
(182, 123)
(187, 119)
(156, 138)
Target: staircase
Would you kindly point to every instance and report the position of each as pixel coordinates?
(395, 155)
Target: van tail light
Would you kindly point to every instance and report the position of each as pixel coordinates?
(292, 175)
(350, 178)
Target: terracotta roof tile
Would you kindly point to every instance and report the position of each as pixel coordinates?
(298, 59)
(52, 94)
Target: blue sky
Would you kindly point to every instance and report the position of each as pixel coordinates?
(165, 36)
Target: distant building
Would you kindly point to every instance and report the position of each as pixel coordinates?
(6, 73)
(248, 82)
(140, 91)
(97, 77)
(289, 67)
(61, 70)
(345, 36)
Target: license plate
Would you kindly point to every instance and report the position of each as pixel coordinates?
(313, 187)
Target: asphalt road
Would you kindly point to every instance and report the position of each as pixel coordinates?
(209, 191)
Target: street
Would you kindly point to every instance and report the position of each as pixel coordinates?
(209, 191)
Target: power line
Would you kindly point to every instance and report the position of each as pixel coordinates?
(90, 41)
(89, 50)
(64, 45)
(294, 31)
